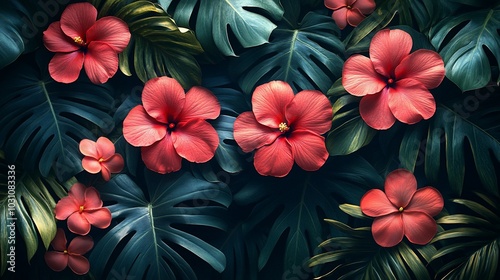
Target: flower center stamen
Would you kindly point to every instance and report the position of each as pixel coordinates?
(81, 209)
(101, 160)
(349, 7)
(401, 209)
(171, 125)
(79, 41)
(390, 81)
(283, 127)
(65, 251)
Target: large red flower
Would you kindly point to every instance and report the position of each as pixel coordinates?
(402, 210)
(350, 12)
(171, 125)
(394, 83)
(79, 40)
(71, 255)
(100, 156)
(284, 128)
(82, 207)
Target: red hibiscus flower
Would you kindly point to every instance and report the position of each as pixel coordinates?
(394, 83)
(284, 128)
(82, 207)
(80, 41)
(350, 12)
(171, 125)
(100, 156)
(71, 256)
(402, 210)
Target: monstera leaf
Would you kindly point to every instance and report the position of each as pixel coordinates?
(357, 256)
(249, 21)
(147, 240)
(33, 214)
(460, 124)
(466, 61)
(307, 56)
(299, 202)
(157, 47)
(471, 242)
(43, 121)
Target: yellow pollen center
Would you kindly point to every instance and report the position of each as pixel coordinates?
(349, 7)
(101, 160)
(400, 209)
(283, 127)
(65, 251)
(79, 41)
(81, 209)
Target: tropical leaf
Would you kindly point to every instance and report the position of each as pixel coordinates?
(459, 124)
(307, 55)
(215, 21)
(158, 47)
(148, 239)
(466, 61)
(295, 205)
(357, 256)
(349, 132)
(471, 242)
(33, 215)
(43, 121)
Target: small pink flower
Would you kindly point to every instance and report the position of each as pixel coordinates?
(71, 256)
(171, 125)
(402, 210)
(100, 156)
(350, 12)
(83, 207)
(394, 84)
(285, 128)
(79, 40)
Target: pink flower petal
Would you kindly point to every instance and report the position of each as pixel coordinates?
(66, 67)
(388, 230)
(59, 242)
(80, 245)
(419, 227)
(92, 199)
(427, 200)
(65, 207)
(161, 157)
(374, 110)
(89, 148)
(78, 264)
(269, 102)
(100, 218)
(77, 18)
(57, 261)
(251, 135)
(105, 148)
(77, 192)
(354, 17)
(310, 110)
(78, 224)
(275, 159)
(359, 78)
(56, 41)
(375, 203)
(425, 66)
(410, 101)
(114, 164)
(387, 50)
(335, 4)
(340, 17)
(101, 62)
(399, 186)
(200, 104)
(110, 30)
(364, 6)
(308, 149)
(139, 129)
(163, 98)
(106, 174)
(91, 165)
(195, 140)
